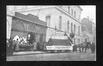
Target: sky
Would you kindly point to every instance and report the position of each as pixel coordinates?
(90, 11)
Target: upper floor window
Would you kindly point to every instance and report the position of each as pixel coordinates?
(74, 13)
(71, 27)
(48, 20)
(74, 28)
(68, 26)
(60, 22)
(68, 9)
(78, 30)
(74, 40)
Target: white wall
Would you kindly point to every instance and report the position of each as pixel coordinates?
(10, 11)
(8, 26)
(54, 13)
(78, 11)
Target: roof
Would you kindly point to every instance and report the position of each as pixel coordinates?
(30, 18)
(59, 42)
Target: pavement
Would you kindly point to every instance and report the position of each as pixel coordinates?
(27, 52)
(42, 56)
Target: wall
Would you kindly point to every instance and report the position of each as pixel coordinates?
(21, 28)
(54, 13)
(10, 11)
(42, 13)
(78, 12)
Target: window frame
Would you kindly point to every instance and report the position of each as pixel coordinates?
(60, 22)
(48, 17)
(68, 26)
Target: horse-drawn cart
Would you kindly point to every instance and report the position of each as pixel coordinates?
(59, 44)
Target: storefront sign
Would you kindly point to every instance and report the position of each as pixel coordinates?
(59, 47)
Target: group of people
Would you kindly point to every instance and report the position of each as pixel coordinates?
(9, 47)
(83, 47)
(13, 43)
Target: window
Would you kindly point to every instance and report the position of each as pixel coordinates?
(68, 26)
(74, 13)
(68, 9)
(74, 28)
(60, 22)
(78, 30)
(74, 40)
(71, 27)
(48, 20)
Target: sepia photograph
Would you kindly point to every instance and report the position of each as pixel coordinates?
(51, 33)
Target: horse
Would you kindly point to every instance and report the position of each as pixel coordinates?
(85, 46)
(82, 46)
(75, 47)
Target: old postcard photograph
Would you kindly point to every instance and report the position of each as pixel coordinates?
(51, 33)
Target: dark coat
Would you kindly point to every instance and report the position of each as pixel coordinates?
(93, 47)
(10, 47)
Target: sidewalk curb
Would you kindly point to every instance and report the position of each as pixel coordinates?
(26, 53)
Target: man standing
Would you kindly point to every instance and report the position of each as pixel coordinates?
(10, 47)
(93, 47)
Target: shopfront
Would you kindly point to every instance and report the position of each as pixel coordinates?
(29, 27)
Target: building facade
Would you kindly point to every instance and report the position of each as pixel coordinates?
(10, 11)
(22, 25)
(65, 18)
